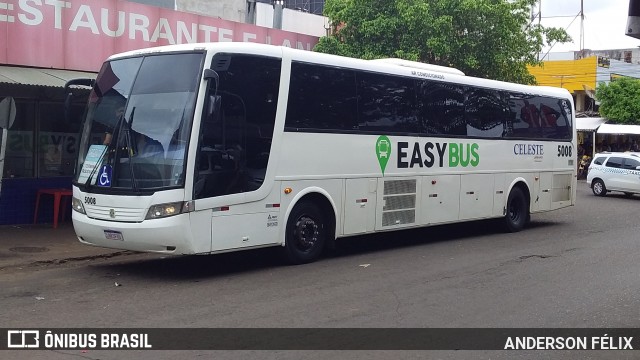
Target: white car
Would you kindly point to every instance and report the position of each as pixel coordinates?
(615, 172)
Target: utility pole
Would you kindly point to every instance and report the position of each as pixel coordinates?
(582, 28)
(539, 16)
(539, 12)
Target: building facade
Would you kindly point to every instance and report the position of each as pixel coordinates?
(581, 75)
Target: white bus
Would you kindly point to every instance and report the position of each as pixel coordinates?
(210, 148)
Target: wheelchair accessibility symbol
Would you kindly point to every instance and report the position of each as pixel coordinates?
(104, 176)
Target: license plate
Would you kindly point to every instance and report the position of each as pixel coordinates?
(113, 235)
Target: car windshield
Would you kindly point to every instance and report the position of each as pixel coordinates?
(138, 122)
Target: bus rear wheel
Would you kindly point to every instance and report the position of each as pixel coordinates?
(306, 233)
(517, 214)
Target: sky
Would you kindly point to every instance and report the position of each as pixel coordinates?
(604, 23)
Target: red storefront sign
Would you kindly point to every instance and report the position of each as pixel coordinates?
(81, 34)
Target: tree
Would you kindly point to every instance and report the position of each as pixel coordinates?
(620, 100)
(493, 39)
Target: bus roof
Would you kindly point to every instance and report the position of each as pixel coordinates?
(390, 66)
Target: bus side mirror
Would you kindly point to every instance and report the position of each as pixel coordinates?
(210, 74)
(69, 95)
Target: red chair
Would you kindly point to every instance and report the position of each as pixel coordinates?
(58, 195)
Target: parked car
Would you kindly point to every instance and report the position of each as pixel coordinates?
(615, 172)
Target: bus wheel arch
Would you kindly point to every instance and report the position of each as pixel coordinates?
(310, 227)
(517, 208)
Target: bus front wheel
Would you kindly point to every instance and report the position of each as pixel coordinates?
(306, 233)
(517, 212)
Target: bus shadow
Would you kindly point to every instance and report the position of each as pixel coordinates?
(195, 267)
(429, 235)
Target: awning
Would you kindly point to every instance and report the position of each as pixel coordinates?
(40, 77)
(619, 129)
(589, 124)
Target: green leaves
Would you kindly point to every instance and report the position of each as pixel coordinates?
(486, 38)
(620, 100)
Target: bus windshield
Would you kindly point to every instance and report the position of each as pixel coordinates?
(138, 123)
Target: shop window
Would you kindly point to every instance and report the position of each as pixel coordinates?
(57, 140)
(19, 153)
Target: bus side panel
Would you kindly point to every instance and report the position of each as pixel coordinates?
(544, 193)
(440, 199)
(499, 194)
(245, 230)
(476, 196)
(244, 225)
(562, 191)
(200, 222)
(360, 206)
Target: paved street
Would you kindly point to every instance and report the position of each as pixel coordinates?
(575, 267)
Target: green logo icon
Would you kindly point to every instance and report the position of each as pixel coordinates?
(383, 151)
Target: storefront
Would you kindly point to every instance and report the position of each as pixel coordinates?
(618, 137)
(596, 135)
(41, 145)
(587, 128)
(48, 43)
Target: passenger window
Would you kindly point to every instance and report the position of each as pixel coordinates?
(599, 160)
(321, 98)
(631, 164)
(387, 104)
(486, 112)
(614, 162)
(441, 108)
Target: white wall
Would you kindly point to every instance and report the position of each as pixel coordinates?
(304, 23)
(264, 15)
(294, 21)
(236, 10)
(564, 55)
(233, 10)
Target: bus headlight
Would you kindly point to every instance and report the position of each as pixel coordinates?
(76, 205)
(164, 210)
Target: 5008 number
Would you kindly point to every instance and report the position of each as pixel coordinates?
(564, 151)
(89, 200)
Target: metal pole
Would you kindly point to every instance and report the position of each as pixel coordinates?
(593, 146)
(582, 28)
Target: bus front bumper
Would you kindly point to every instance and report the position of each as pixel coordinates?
(169, 235)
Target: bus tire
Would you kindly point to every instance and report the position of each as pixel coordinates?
(517, 212)
(306, 233)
